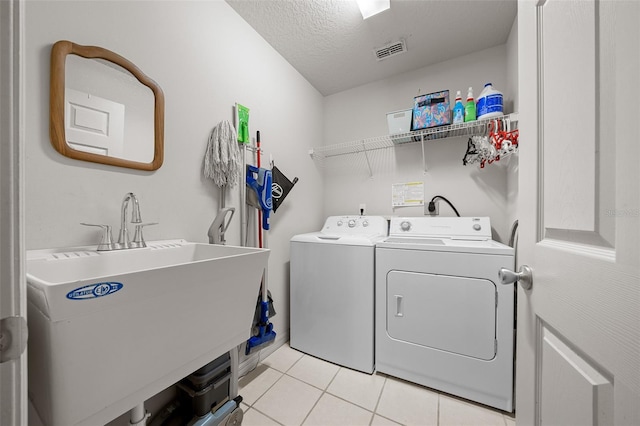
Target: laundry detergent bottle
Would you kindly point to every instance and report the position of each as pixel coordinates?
(458, 109)
(470, 107)
(489, 102)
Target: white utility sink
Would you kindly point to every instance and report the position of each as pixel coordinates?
(108, 330)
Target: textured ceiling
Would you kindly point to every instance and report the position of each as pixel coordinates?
(330, 44)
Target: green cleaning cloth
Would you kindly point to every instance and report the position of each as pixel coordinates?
(243, 123)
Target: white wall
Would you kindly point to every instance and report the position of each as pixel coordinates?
(205, 58)
(361, 113)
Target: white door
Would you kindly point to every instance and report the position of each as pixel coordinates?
(578, 347)
(13, 359)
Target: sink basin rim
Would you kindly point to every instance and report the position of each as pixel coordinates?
(46, 274)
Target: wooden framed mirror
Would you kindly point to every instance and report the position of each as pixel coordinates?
(104, 109)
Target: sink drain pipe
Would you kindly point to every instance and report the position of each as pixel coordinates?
(138, 415)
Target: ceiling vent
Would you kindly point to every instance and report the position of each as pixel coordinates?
(390, 50)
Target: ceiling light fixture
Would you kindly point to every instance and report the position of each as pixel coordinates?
(369, 8)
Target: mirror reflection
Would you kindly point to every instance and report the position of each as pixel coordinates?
(104, 109)
(107, 110)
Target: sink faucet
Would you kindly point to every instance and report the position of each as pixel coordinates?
(123, 240)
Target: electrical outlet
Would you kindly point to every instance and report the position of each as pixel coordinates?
(362, 208)
(436, 209)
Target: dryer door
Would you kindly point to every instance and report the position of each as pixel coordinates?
(453, 314)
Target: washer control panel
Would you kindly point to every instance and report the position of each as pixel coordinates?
(355, 225)
(474, 228)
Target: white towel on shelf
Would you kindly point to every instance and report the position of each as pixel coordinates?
(222, 160)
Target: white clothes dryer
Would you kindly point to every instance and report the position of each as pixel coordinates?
(443, 320)
(332, 290)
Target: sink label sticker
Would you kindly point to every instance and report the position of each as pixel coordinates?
(92, 291)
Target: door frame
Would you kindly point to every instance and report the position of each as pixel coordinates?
(13, 296)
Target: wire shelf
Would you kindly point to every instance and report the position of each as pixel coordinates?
(390, 141)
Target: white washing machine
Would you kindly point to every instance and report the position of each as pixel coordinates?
(332, 290)
(443, 320)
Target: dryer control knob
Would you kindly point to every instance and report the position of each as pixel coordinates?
(477, 227)
(352, 223)
(405, 226)
(339, 223)
(365, 223)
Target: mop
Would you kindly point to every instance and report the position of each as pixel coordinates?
(258, 181)
(223, 165)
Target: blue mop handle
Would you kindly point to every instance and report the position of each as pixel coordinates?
(264, 312)
(268, 200)
(262, 186)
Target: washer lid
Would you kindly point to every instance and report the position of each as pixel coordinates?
(348, 230)
(352, 240)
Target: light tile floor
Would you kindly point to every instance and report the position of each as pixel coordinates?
(291, 388)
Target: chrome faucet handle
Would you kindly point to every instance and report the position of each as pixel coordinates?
(106, 241)
(138, 239)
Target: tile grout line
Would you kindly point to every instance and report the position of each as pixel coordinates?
(297, 361)
(321, 395)
(267, 416)
(268, 389)
(375, 407)
(273, 384)
(283, 373)
(326, 391)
